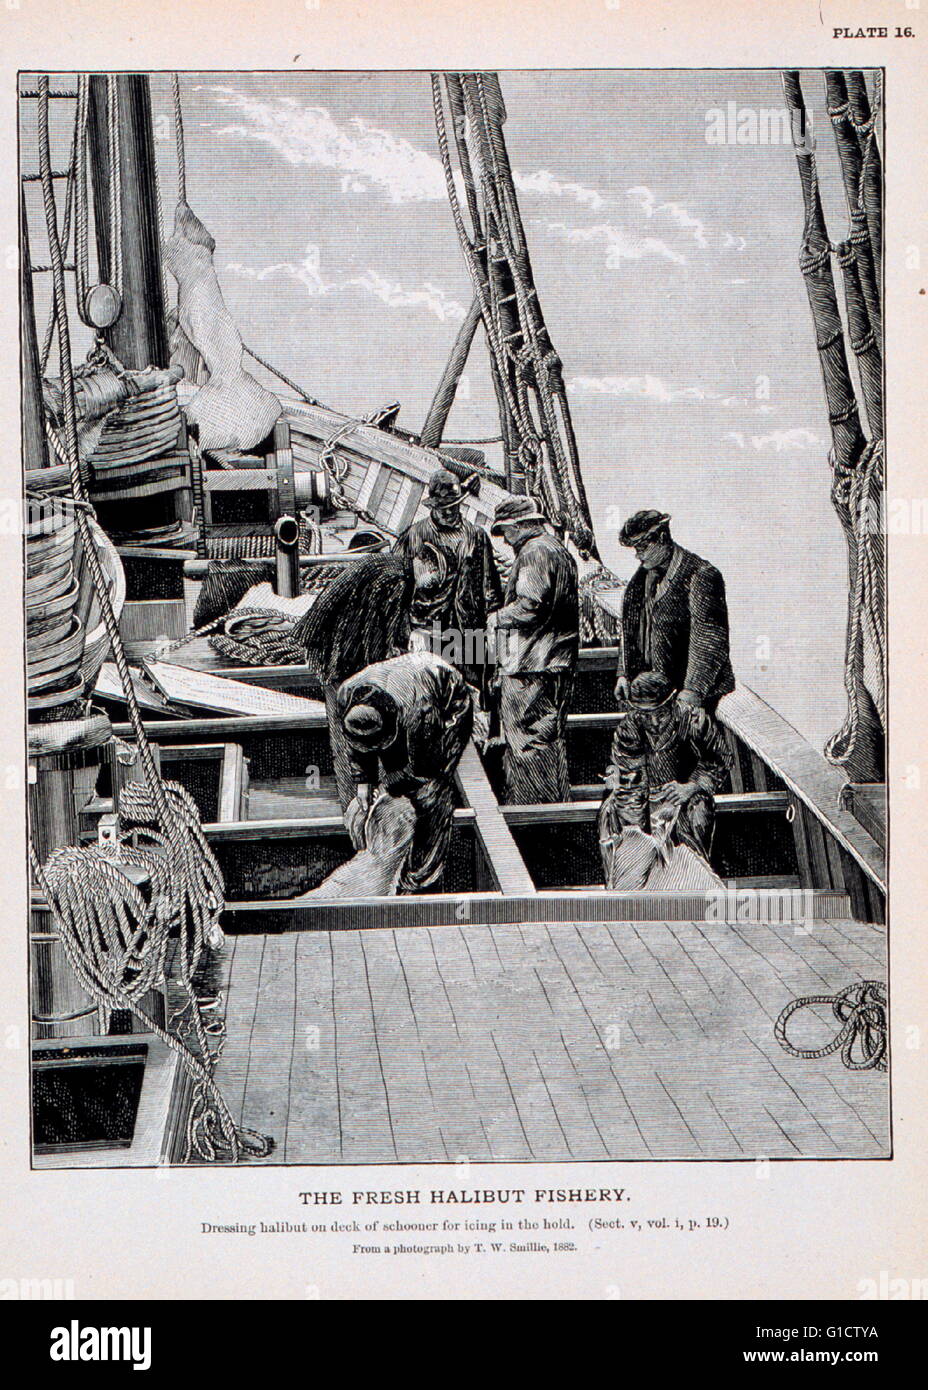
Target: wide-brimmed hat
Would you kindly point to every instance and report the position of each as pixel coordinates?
(513, 510)
(639, 526)
(370, 721)
(650, 690)
(444, 490)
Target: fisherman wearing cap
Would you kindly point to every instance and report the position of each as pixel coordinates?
(667, 762)
(537, 632)
(406, 721)
(674, 616)
(456, 582)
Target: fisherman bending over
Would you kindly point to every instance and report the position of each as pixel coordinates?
(667, 762)
(674, 616)
(406, 723)
(361, 616)
(538, 638)
(456, 583)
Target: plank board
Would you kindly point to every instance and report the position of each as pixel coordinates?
(550, 1041)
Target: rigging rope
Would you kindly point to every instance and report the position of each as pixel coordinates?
(179, 140)
(529, 438)
(194, 877)
(543, 363)
(861, 1011)
(115, 173)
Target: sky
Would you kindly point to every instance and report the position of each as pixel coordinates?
(667, 270)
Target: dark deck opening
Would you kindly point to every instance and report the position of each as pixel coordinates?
(86, 1097)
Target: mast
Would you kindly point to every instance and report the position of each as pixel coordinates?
(139, 336)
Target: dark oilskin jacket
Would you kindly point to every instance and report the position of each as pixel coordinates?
(469, 587)
(539, 623)
(689, 627)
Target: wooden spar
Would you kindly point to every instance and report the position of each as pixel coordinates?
(815, 263)
(139, 335)
(35, 448)
(851, 160)
(434, 427)
(872, 162)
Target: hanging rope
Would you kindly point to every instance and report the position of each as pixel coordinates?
(304, 395)
(195, 891)
(862, 1038)
(179, 140)
(115, 171)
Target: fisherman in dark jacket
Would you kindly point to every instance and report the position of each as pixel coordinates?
(538, 638)
(456, 584)
(406, 723)
(674, 616)
(667, 761)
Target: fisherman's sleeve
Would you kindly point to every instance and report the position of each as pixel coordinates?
(457, 719)
(492, 586)
(708, 631)
(627, 777)
(714, 756)
(402, 548)
(533, 584)
(364, 767)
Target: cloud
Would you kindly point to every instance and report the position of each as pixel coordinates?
(647, 202)
(308, 273)
(778, 440)
(364, 155)
(620, 245)
(543, 182)
(647, 387)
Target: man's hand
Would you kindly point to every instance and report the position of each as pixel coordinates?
(689, 699)
(364, 796)
(677, 793)
(622, 689)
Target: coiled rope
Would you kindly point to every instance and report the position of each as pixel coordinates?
(862, 1012)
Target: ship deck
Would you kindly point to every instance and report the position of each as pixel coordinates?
(547, 1042)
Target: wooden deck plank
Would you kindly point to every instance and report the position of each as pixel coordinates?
(266, 1104)
(590, 1047)
(811, 964)
(536, 1064)
(242, 995)
(455, 1005)
(546, 1041)
(367, 1121)
(630, 1029)
(314, 1131)
(417, 1124)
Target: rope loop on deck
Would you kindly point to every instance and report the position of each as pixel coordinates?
(862, 1040)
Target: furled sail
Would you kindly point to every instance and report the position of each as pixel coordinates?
(232, 410)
